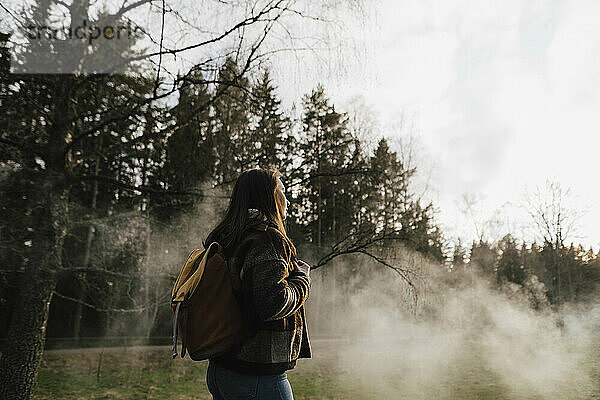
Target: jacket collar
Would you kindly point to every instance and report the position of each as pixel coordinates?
(258, 220)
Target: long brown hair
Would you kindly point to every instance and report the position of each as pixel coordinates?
(255, 188)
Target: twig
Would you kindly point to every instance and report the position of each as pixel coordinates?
(99, 366)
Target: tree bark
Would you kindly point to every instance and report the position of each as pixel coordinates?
(26, 335)
(78, 310)
(24, 346)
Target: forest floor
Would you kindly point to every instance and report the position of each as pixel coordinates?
(149, 372)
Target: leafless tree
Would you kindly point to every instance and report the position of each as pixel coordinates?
(556, 221)
(554, 218)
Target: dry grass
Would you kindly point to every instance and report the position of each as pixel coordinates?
(150, 373)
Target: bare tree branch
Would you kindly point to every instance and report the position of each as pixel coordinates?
(103, 310)
(142, 189)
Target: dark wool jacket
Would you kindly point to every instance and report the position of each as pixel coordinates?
(272, 295)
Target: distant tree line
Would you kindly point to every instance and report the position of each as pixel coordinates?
(549, 274)
(551, 270)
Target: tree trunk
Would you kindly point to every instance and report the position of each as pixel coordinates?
(558, 283)
(334, 296)
(88, 246)
(78, 311)
(79, 295)
(319, 205)
(24, 346)
(149, 314)
(26, 335)
(319, 212)
(80, 290)
(153, 313)
(333, 223)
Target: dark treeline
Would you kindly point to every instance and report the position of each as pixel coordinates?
(550, 274)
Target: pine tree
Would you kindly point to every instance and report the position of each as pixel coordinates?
(395, 210)
(188, 152)
(232, 139)
(381, 203)
(510, 266)
(325, 150)
(459, 256)
(483, 258)
(271, 142)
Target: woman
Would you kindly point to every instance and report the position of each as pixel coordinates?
(273, 284)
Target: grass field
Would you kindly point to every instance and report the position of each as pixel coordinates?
(150, 373)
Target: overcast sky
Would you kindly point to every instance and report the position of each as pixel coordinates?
(503, 95)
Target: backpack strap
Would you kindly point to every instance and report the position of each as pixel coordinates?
(185, 324)
(175, 330)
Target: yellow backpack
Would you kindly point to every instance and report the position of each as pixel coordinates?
(207, 314)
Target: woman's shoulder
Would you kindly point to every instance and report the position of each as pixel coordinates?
(269, 240)
(280, 242)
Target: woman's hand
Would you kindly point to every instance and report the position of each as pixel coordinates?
(302, 267)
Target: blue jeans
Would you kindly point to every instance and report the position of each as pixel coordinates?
(225, 384)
